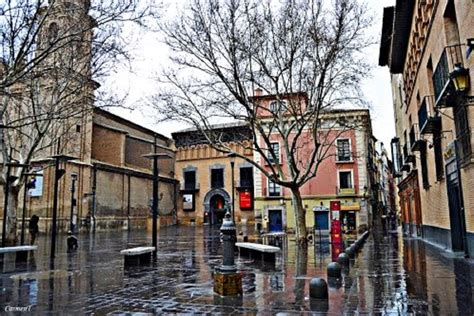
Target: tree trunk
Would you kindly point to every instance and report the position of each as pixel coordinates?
(301, 270)
(11, 235)
(300, 216)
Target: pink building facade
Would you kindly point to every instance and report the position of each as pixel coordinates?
(343, 176)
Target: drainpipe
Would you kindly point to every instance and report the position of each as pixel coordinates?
(94, 197)
(128, 202)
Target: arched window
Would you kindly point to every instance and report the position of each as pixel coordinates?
(277, 106)
(53, 32)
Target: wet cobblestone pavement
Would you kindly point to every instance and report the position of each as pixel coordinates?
(389, 276)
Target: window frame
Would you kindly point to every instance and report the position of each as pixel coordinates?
(270, 158)
(273, 194)
(282, 106)
(251, 174)
(184, 179)
(350, 150)
(223, 178)
(351, 178)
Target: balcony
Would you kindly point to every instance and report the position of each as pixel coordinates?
(408, 157)
(428, 121)
(415, 140)
(346, 191)
(451, 56)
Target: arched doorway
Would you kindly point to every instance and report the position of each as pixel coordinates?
(216, 204)
(217, 208)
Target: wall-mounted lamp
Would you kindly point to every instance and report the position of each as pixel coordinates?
(460, 78)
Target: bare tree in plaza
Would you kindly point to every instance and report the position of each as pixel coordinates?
(52, 55)
(306, 54)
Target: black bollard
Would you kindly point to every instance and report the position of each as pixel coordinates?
(334, 270)
(350, 252)
(343, 259)
(318, 288)
(354, 249)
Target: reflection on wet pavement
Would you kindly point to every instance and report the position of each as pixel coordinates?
(389, 275)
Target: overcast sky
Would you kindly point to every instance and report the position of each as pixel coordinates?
(150, 56)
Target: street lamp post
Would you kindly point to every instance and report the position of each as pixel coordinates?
(58, 173)
(156, 157)
(232, 164)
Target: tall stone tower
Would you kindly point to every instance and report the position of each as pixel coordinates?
(65, 39)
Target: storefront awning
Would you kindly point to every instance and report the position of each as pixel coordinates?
(355, 207)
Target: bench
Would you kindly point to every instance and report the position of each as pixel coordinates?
(137, 255)
(21, 251)
(258, 251)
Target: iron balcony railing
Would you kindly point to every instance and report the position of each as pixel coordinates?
(346, 191)
(428, 120)
(188, 187)
(415, 139)
(450, 56)
(408, 157)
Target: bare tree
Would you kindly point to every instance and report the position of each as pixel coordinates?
(306, 54)
(53, 54)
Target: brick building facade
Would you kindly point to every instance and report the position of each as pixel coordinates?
(426, 45)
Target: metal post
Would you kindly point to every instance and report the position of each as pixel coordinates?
(25, 194)
(233, 191)
(94, 196)
(5, 205)
(228, 235)
(55, 207)
(73, 190)
(155, 204)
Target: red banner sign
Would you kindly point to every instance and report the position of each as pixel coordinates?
(336, 232)
(245, 200)
(335, 205)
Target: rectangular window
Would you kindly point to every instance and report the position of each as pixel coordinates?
(345, 180)
(217, 178)
(273, 189)
(275, 149)
(438, 152)
(277, 106)
(190, 180)
(343, 150)
(246, 177)
(463, 134)
(424, 167)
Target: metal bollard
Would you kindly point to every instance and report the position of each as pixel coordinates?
(228, 236)
(318, 288)
(343, 259)
(334, 270)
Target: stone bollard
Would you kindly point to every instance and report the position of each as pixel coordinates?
(334, 270)
(343, 259)
(318, 288)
